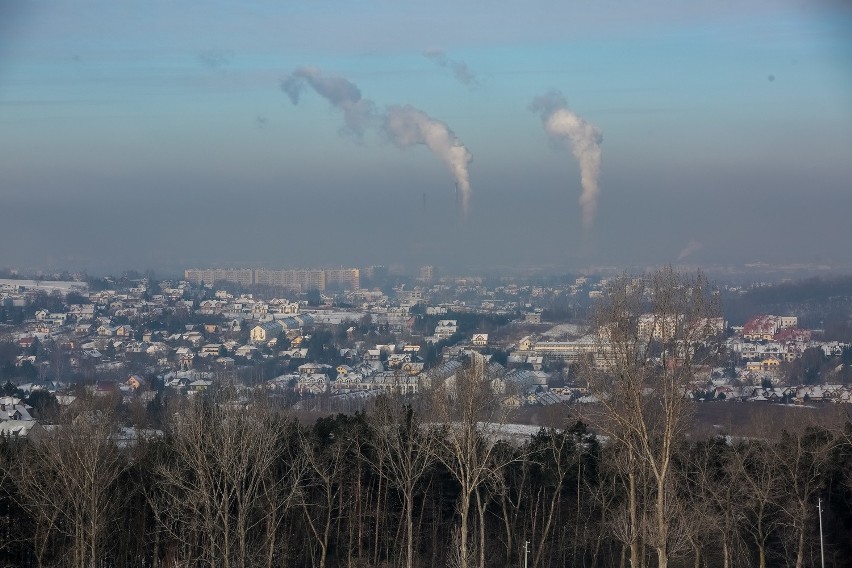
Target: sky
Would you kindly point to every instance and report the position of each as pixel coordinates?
(464, 134)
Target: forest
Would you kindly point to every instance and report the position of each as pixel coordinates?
(233, 482)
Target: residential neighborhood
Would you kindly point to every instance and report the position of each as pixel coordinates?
(141, 340)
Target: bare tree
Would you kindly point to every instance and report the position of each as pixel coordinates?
(513, 490)
(408, 454)
(620, 475)
(559, 453)
(717, 496)
(652, 333)
(325, 461)
(472, 419)
(607, 491)
(754, 467)
(218, 498)
(803, 458)
(59, 360)
(68, 484)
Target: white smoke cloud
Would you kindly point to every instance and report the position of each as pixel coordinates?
(690, 248)
(460, 70)
(585, 139)
(407, 126)
(358, 112)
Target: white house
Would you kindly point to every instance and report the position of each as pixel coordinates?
(266, 331)
(446, 328)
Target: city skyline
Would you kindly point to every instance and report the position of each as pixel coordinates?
(158, 135)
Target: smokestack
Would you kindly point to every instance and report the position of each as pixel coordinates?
(407, 126)
(585, 138)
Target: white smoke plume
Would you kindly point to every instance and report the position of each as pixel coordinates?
(358, 112)
(690, 248)
(585, 138)
(460, 70)
(407, 126)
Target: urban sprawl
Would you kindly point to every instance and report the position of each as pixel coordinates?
(317, 339)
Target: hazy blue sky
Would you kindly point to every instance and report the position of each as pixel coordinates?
(156, 134)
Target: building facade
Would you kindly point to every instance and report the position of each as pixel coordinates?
(293, 279)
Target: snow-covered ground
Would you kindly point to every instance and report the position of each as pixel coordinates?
(564, 330)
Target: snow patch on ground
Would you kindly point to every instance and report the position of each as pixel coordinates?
(564, 330)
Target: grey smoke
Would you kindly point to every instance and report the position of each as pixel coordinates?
(405, 126)
(585, 139)
(691, 247)
(215, 58)
(358, 112)
(460, 70)
(408, 126)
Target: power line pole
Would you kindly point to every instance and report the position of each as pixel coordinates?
(821, 549)
(526, 552)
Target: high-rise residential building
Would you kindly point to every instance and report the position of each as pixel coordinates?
(243, 276)
(296, 279)
(345, 278)
(427, 273)
(292, 279)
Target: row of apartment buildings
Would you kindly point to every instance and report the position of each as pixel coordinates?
(293, 279)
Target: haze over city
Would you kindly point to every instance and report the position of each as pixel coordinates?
(165, 135)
